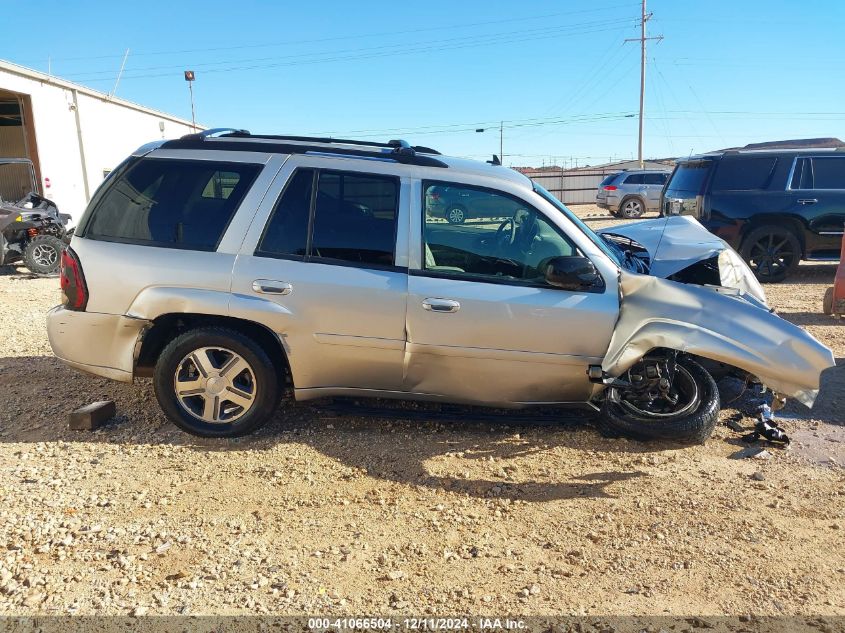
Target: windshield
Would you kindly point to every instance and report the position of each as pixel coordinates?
(607, 246)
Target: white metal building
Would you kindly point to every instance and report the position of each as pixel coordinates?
(73, 135)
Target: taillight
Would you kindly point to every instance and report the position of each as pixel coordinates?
(32, 232)
(610, 187)
(74, 290)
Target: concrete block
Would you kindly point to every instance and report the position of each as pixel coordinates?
(92, 416)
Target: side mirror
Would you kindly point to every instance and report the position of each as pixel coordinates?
(573, 272)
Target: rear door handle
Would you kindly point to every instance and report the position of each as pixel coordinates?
(441, 305)
(808, 201)
(271, 287)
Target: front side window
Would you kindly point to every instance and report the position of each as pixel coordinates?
(353, 218)
(500, 239)
(171, 203)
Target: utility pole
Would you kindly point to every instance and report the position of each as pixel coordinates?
(189, 77)
(642, 39)
(502, 142)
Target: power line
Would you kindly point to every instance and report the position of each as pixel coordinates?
(367, 53)
(439, 28)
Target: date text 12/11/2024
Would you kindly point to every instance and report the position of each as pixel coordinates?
(415, 624)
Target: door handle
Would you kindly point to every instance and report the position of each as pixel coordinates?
(271, 287)
(808, 201)
(441, 305)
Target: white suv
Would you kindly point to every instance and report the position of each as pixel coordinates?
(238, 269)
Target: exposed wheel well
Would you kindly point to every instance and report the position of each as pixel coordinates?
(168, 326)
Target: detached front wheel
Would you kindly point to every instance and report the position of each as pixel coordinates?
(43, 254)
(667, 399)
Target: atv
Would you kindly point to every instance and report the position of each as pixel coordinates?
(31, 228)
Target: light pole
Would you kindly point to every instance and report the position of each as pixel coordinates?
(189, 77)
(501, 139)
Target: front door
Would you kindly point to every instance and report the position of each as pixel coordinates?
(483, 325)
(326, 259)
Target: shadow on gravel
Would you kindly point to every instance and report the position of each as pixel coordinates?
(38, 392)
(830, 403)
(807, 273)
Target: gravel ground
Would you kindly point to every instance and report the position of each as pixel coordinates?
(328, 513)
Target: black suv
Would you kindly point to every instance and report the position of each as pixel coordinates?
(775, 207)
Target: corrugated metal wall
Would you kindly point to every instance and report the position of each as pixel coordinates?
(572, 186)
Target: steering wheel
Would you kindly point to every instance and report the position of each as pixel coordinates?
(504, 236)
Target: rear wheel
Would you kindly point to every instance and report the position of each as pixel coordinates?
(43, 254)
(216, 382)
(670, 400)
(773, 252)
(631, 208)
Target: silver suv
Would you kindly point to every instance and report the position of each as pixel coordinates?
(241, 271)
(631, 193)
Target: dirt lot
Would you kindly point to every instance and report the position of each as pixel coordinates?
(328, 513)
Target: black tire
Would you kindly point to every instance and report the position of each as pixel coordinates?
(636, 208)
(455, 214)
(693, 427)
(772, 252)
(43, 254)
(263, 379)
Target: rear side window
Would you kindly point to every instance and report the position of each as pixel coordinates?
(287, 231)
(829, 172)
(744, 174)
(609, 179)
(353, 218)
(171, 203)
(655, 179)
(690, 177)
(635, 179)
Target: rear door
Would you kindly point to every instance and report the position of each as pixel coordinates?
(818, 188)
(653, 184)
(321, 268)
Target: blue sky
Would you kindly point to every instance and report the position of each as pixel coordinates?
(557, 73)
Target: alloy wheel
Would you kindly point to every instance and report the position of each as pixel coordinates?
(215, 385)
(45, 255)
(771, 255)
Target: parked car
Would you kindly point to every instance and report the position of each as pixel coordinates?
(238, 270)
(32, 230)
(631, 193)
(775, 207)
(458, 204)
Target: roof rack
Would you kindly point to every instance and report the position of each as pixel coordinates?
(395, 150)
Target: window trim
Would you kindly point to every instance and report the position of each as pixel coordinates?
(456, 276)
(114, 177)
(312, 209)
(811, 160)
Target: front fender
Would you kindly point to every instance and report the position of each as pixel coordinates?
(720, 326)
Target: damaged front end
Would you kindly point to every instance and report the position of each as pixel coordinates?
(700, 298)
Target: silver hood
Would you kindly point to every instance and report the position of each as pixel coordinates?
(678, 242)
